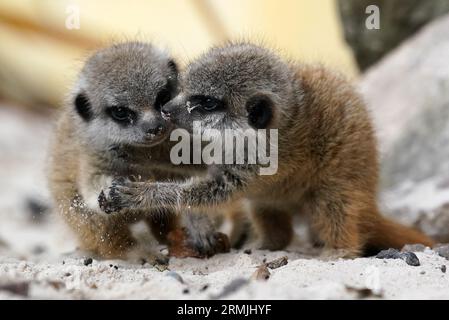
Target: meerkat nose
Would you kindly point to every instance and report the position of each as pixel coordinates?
(165, 113)
(154, 131)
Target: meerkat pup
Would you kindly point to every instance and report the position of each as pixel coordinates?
(111, 128)
(327, 158)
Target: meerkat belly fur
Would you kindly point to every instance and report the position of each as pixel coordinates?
(111, 127)
(328, 162)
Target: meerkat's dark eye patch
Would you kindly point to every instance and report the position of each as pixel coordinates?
(260, 111)
(205, 103)
(82, 106)
(121, 115)
(162, 98)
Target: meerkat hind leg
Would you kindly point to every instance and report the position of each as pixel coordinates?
(335, 225)
(161, 223)
(109, 237)
(273, 226)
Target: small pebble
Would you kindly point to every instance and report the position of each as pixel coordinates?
(409, 257)
(277, 263)
(37, 209)
(364, 293)
(443, 268)
(87, 261)
(204, 288)
(247, 251)
(175, 276)
(3, 243)
(185, 291)
(37, 250)
(19, 288)
(262, 273)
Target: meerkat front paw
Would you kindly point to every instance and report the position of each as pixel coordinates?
(123, 194)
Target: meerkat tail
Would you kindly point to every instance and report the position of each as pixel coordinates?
(387, 233)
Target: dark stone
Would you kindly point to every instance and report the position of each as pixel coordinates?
(87, 261)
(409, 257)
(398, 20)
(277, 263)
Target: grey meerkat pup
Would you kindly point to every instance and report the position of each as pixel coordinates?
(111, 128)
(327, 151)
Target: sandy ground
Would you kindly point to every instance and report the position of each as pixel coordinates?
(38, 257)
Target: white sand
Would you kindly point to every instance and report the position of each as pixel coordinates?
(36, 253)
(299, 279)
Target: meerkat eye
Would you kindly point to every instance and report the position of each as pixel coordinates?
(207, 103)
(162, 98)
(121, 114)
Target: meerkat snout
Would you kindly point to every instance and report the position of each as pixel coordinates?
(154, 127)
(173, 108)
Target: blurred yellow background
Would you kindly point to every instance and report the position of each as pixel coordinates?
(39, 55)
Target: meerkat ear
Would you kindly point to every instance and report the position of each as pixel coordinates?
(82, 106)
(260, 111)
(173, 67)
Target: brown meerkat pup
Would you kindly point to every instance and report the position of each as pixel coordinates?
(327, 157)
(111, 128)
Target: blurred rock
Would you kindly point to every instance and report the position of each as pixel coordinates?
(37, 208)
(408, 94)
(399, 20)
(442, 250)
